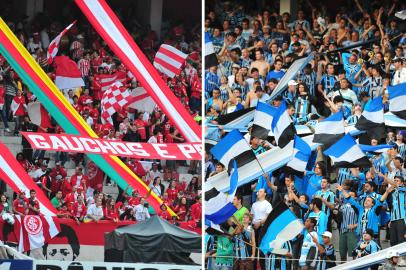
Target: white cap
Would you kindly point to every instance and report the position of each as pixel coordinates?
(392, 253)
(292, 82)
(327, 234)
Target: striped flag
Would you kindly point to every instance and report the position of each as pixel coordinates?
(375, 149)
(53, 46)
(233, 146)
(34, 231)
(169, 60)
(67, 73)
(38, 115)
(263, 117)
(330, 129)
(301, 155)
(210, 58)
(346, 153)
(397, 100)
(372, 119)
(14, 175)
(280, 226)
(218, 205)
(282, 126)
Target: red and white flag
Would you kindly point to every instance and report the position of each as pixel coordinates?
(53, 46)
(67, 73)
(38, 115)
(141, 101)
(169, 60)
(113, 100)
(34, 231)
(107, 80)
(14, 175)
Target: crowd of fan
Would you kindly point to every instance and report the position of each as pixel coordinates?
(254, 50)
(79, 196)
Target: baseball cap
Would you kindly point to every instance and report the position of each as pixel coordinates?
(292, 82)
(327, 234)
(392, 253)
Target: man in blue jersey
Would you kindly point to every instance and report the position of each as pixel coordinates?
(366, 246)
(321, 218)
(398, 210)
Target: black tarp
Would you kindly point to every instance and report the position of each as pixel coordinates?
(151, 241)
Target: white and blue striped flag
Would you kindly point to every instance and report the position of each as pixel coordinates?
(301, 155)
(330, 129)
(397, 100)
(372, 119)
(218, 205)
(346, 153)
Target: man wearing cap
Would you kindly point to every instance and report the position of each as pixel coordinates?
(392, 262)
(34, 43)
(326, 249)
(20, 205)
(400, 71)
(291, 95)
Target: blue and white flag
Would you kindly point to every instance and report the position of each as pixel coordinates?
(301, 155)
(397, 100)
(282, 126)
(346, 153)
(330, 129)
(210, 58)
(218, 205)
(263, 117)
(280, 226)
(372, 119)
(376, 149)
(233, 146)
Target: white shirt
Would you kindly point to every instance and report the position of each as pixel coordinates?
(399, 76)
(95, 211)
(260, 210)
(141, 212)
(38, 173)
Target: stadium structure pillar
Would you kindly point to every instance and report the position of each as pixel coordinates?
(290, 6)
(155, 18)
(32, 7)
(150, 12)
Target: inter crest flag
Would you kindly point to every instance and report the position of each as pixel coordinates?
(34, 231)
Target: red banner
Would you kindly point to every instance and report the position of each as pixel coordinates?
(84, 241)
(73, 143)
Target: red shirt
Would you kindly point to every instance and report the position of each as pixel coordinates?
(140, 124)
(133, 201)
(180, 210)
(64, 213)
(74, 181)
(35, 204)
(78, 210)
(85, 99)
(110, 214)
(172, 194)
(165, 215)
(20, 206)
(196, 211)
